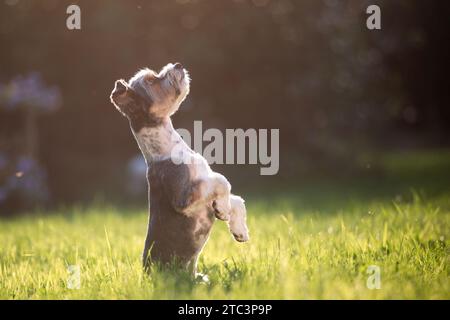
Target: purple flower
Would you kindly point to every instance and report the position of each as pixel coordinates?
(3, 194)
(137, 165)
(3, 161)
(29, 180)
(136, 174)
(30, 91)
(25, 164)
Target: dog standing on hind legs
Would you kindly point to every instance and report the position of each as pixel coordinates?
(185, 195)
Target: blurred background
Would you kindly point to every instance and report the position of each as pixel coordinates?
(347, 100)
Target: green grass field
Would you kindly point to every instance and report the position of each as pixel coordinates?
(299, 248)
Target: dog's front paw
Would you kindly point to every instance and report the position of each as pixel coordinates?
(221, 211)
(238, 220)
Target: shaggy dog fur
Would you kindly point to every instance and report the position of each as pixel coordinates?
(185, 195)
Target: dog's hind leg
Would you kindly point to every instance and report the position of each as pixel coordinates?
(197, 276)
(146, 253)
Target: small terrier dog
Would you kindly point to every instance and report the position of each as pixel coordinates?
(185, 195)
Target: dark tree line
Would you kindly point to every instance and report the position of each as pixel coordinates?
(310, 68)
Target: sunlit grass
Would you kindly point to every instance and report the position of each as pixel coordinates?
(293, 254)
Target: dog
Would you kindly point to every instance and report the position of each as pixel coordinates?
(185, 195)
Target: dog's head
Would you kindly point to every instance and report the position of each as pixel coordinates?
(150, 97)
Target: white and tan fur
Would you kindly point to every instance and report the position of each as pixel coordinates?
(148, 100)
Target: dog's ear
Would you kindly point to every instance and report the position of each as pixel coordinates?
(123, 97)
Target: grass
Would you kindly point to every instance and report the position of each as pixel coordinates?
(298, 250)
